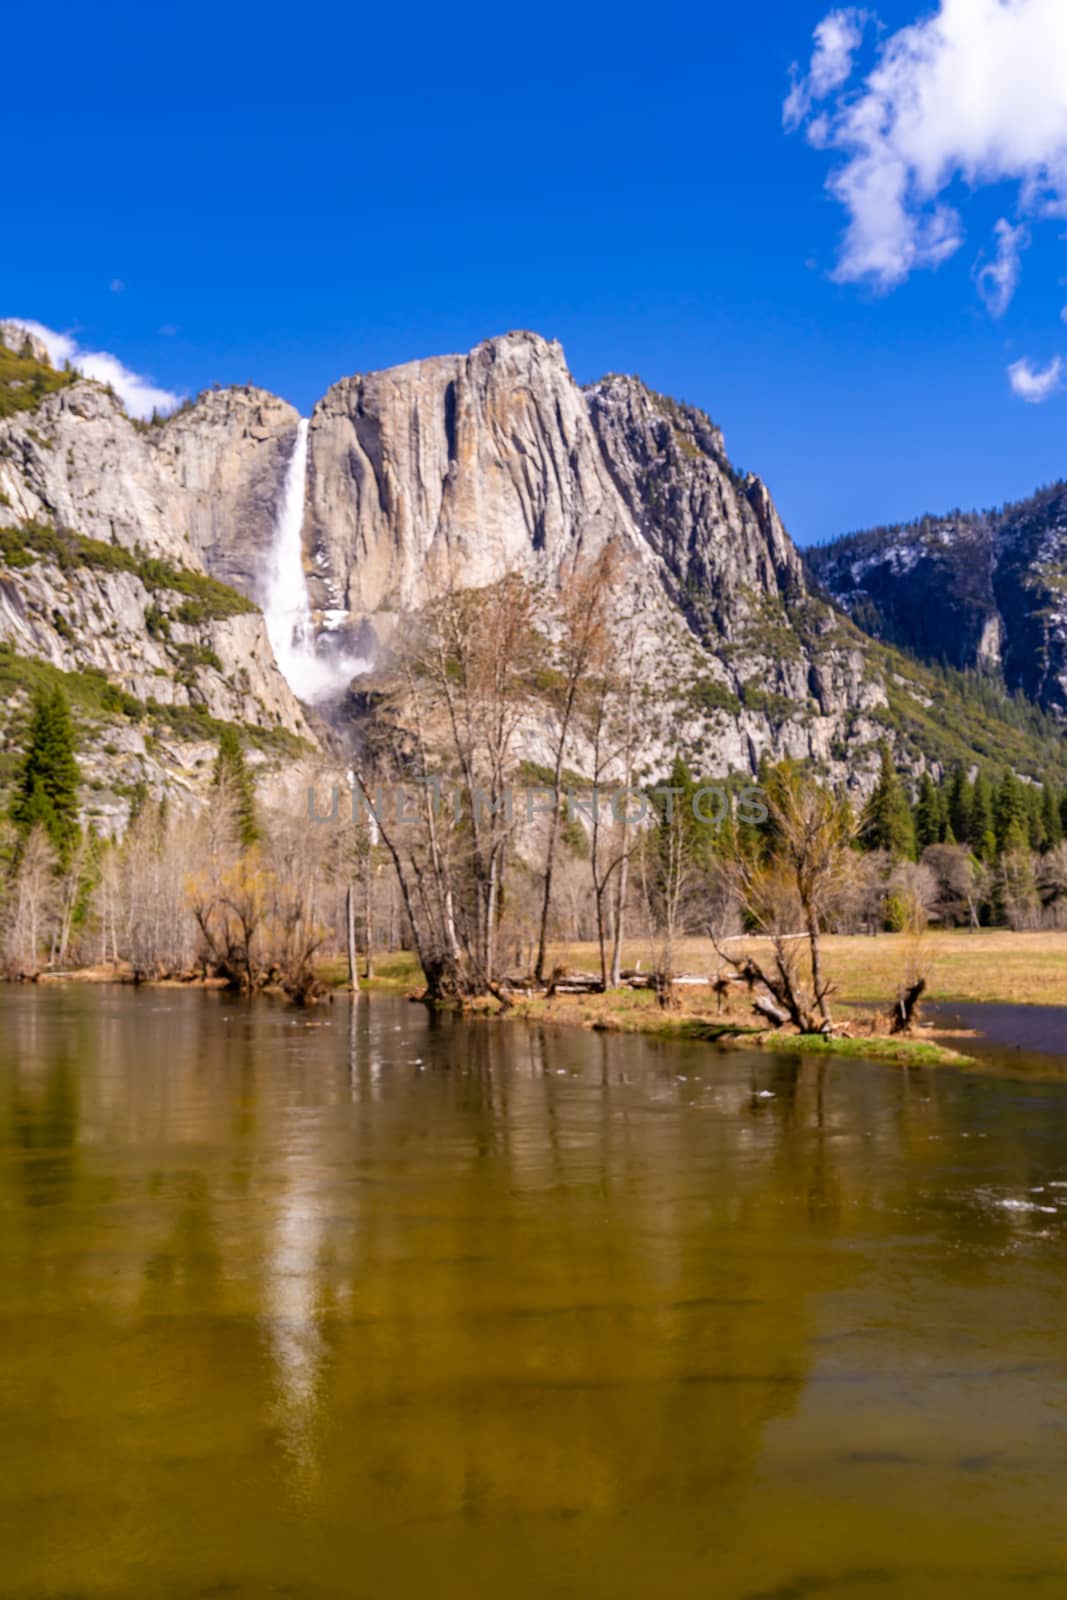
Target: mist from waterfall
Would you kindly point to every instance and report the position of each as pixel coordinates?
(313, 674)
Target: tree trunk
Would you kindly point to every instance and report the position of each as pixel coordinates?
(904, 1010)
(817, 985)
(350, 922)
(368, 924)
(550, 867)
(620, 912)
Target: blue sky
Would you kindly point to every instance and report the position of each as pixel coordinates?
(289, 195)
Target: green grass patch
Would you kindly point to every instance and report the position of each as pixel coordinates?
(95, 699)
(203, 599)
(708, 694)
(25, 381)
(89, 691)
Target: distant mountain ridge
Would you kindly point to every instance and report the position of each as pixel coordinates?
(976, 590)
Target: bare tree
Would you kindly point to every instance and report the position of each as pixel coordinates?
(1052, 886)
(789, 888)
(1015, 889)
(587, 589)
(912, 896)
(668, 870)
(465, 683)
(32, 905)
(963, 883)
(611, 728)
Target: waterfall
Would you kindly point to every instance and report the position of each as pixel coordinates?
(311, 673)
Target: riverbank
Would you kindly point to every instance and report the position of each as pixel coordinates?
(987, 966)
(993, 966)
(629, 1011)
(696, 1017)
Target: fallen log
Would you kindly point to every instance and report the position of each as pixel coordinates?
(774, 1014)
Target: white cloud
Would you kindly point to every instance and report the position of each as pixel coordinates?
(1035, 384)
(997, 280)
(976, 91)
(837, 38)
(138, 394)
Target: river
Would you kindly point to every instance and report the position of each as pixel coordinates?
(368, 1303)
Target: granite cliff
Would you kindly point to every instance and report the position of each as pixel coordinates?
(143, 555)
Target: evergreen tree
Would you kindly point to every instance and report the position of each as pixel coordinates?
(1051, 822)
(887, 822)
(232, 773)
(960, 803)
(1011, 815)
(982, 838)
(929, 824)
(46, 790)
(739, 837)
(1035, 828)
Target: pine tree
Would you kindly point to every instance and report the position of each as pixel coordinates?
(1051, 822)
(46, 790)
(929, 824)
(1010, 815)
(887, 823)
(232, 773)
(982, 840)
(741, 837)
(1035, 827)
(960, 804)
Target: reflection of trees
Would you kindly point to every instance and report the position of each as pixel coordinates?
(557, 1301)
(391, 1267)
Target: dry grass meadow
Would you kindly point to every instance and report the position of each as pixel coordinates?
(993, 965)
(990, 964)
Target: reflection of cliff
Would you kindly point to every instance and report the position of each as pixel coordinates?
(424, 1303)
(559, 1302)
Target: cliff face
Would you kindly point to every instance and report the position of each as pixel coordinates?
(457, 470)
(79, 462)
(226, 456)
(980, 590)
(718, 536)
(102, 578)
(452, 469)
(468, 466)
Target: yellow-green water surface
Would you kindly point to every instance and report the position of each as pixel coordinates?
(361, 1303)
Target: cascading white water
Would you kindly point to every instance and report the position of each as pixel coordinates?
(311, 674)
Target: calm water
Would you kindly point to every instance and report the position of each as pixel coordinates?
(1015, 1038)
(365, 1305)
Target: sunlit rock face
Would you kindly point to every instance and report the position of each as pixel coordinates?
(193, 494)
(463, 467)
(455, 469)
(227, 457)
(984, 589)
(460, 468)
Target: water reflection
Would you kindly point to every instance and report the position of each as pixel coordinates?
(372, 1300)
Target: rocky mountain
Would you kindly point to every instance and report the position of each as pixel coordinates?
(460, 468)
(141, 557)
(104, 528)
(975, 590)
